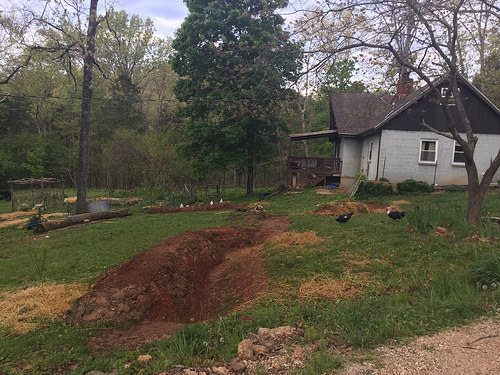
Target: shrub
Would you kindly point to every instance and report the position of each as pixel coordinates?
(372, 189)
(383, 179)
(411, 186)
(456, 189)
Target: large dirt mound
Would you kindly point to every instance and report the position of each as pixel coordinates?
(190, 277)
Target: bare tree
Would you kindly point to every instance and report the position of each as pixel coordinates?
(430, 50)
(55, 27)
(83, 155)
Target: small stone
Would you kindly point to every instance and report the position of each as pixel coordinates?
(259, 349)
(284, 331)
(264, 332)
(127, 365)
(252, 336)
(237, 365)
(190, 372)
(269, 344)
(245, 350)
(144, 358)
(220, 370)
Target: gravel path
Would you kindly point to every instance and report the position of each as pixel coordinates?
(469, 350)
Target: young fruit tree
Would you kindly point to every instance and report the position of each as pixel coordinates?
(235, 61)
(426, 39)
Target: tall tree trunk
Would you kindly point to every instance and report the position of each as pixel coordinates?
(83, 156)
(250, 179)
(251, 161)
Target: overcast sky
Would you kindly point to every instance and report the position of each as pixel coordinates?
(167, 15)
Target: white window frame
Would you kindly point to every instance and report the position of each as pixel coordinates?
(428, 162)
(453, 162)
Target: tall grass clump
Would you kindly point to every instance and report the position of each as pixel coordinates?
(485, 271)
(428, 218)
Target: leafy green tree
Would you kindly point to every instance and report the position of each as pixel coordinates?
(234, 60)
(122, 110)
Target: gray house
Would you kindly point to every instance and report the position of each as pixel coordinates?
(384, 136)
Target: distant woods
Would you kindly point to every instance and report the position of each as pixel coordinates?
(215, 104)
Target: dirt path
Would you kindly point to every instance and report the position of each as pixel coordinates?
(468, 350)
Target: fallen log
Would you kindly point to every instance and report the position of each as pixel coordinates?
(79, 219)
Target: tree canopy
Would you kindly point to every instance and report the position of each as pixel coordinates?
(234, 60)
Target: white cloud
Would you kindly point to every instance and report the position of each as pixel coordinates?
(167, 26)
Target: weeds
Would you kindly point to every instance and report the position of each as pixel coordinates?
(38, 259)
(485, 272)
(321, 362)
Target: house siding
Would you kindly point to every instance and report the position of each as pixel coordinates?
(400, 150)
(350, 151)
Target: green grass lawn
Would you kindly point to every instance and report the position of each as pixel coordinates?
(411, 282)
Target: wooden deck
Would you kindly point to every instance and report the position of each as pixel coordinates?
(314, 170)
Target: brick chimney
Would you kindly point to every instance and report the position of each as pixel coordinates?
(404, 87)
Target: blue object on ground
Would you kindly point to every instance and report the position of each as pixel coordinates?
(332, 186)
(34, 224)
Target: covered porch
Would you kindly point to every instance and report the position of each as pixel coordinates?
(312, 170)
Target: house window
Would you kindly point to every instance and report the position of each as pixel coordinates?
(458, 155)
(428, 151)
(370, 151)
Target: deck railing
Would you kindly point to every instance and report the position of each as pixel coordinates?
(316, 166)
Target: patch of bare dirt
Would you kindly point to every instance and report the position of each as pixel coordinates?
(194, 276)
(340, 208)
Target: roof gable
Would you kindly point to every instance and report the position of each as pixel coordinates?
(357, 114)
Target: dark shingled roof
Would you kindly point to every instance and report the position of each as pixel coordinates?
(355, 113)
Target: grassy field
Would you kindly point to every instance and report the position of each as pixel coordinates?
(404, 280)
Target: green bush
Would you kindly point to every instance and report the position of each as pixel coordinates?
(372, 189)
(411, 186)
(383, 179)
(456, 189)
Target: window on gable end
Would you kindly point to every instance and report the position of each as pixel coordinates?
(428, 151)
(451, 99)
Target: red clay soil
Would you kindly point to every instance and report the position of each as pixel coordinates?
(191, 277)
(208, 207)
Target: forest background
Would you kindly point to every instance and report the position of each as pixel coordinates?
(136, 126)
